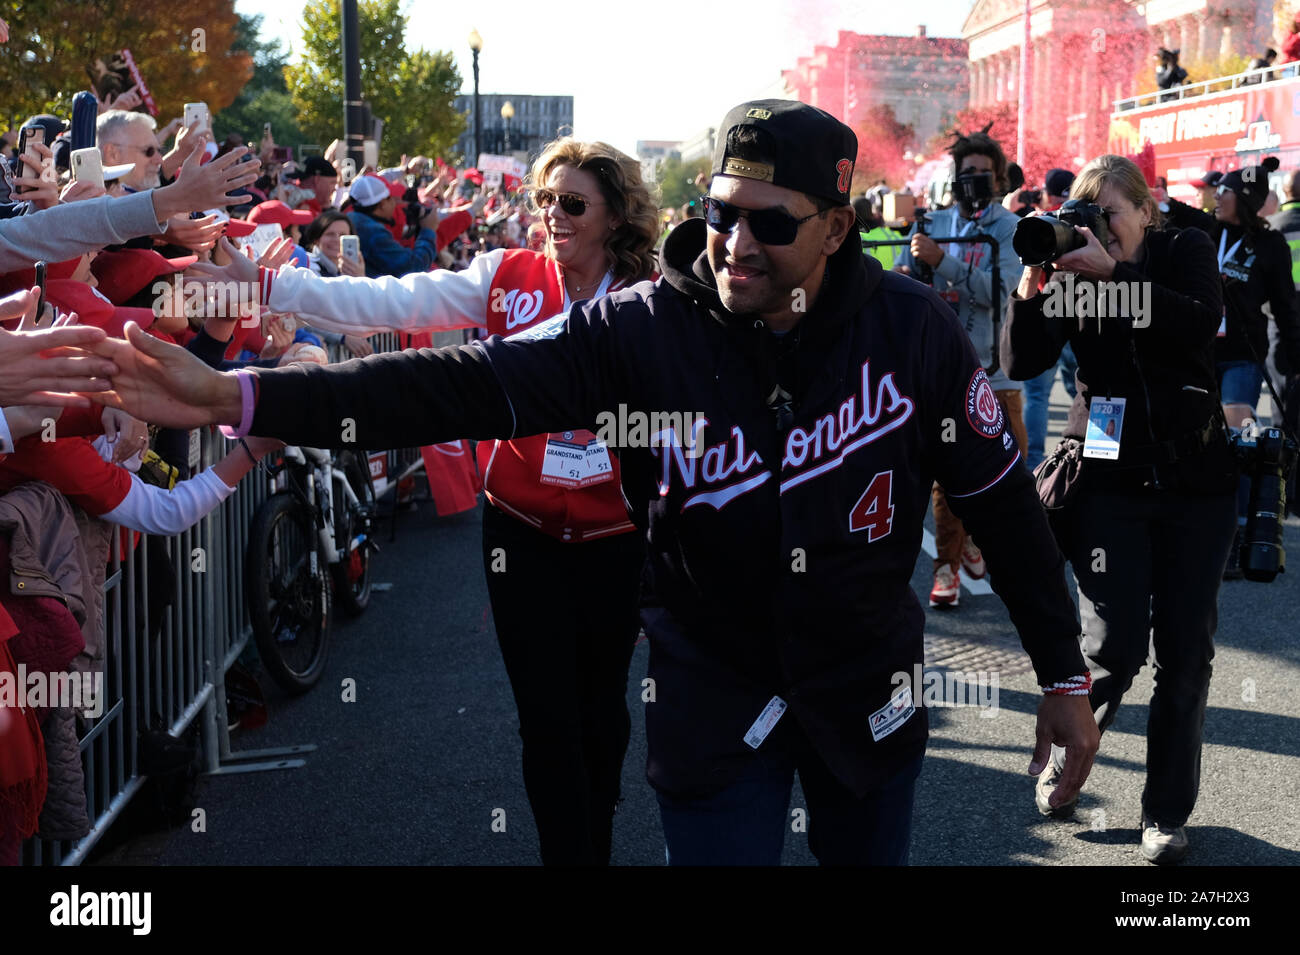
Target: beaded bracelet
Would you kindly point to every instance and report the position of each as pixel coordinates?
(1074, 686)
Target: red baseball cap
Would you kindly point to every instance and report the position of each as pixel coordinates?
(20, 280)
(273, 210)
(240, 228)
(123, 273)
(69, 296)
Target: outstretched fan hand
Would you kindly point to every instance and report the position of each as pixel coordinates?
(164, 384)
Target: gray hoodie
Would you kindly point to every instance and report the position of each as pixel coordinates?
(71, 229)
(972, 285)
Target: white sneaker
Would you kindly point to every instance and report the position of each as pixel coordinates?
(973, 560)
(947, 588)
(1163, 845)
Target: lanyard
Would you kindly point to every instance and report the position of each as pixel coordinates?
(1223, 240)
(955, 248)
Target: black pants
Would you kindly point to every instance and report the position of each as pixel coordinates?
(567, 620)
(1149, 568)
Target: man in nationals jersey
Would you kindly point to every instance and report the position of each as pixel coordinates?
(777, 596)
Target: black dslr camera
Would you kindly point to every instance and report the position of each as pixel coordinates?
(972, 191)
(1041, 240)
(1267, 460)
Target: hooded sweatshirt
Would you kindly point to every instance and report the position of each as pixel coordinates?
(783, 537)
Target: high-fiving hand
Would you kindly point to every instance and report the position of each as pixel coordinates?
(50, 365)
(166, 385)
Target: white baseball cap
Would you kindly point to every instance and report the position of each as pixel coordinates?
(368, 191)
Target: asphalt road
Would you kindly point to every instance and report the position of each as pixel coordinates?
(417, 768)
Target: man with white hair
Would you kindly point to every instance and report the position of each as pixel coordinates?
(128, 137)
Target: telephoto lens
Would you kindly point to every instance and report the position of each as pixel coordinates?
(1040, 240)
(1262, 554)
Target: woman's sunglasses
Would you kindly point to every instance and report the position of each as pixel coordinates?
(571, 203)
(769, 226)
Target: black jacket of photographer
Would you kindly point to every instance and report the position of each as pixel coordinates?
(1258, 271)
(1179, 444)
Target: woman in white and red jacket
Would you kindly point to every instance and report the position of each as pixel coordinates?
(562, 559)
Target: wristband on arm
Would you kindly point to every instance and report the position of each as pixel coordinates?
(247, 405)
(265, 279)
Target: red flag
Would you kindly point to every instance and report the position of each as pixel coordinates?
(453, 478)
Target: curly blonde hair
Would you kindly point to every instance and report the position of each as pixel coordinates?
(629, 248)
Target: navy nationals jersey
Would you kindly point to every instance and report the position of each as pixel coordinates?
(780, 551)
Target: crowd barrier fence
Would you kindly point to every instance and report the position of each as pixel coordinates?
(178, 681)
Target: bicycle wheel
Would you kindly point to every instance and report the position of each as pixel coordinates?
(352, 530)
(288, 593)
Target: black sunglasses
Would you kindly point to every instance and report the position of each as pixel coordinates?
(769, 226)
(571, 203)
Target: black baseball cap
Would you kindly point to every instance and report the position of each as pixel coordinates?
(811, 151)
(317, 166)
(1251, 182)
(1058, 182)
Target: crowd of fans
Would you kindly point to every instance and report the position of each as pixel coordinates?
(134, 248)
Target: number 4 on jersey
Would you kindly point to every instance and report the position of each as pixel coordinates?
(874, 511)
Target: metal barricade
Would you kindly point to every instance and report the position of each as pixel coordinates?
(180, 678)
(165, 683)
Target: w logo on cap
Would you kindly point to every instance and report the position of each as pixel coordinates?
(845, 168)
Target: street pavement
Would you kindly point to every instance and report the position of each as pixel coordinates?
(417, 769)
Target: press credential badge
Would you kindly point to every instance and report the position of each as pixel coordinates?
(1105, 425)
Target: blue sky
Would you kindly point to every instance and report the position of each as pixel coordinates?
(657, 70)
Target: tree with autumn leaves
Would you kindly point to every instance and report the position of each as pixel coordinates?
(882, 144)
(413, 92)
(183, 50)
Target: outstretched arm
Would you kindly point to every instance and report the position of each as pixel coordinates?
(504, 388)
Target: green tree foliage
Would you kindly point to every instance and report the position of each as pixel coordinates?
(265, 99)
(677, 180)
(185, 52)
(413, 92)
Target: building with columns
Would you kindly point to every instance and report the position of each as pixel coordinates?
(922, 78)
(1085, 54)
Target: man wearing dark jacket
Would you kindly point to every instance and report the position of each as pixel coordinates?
(783, 529)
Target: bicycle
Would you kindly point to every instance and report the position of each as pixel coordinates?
(318, 517)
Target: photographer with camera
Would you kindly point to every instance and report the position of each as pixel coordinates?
(1255, 262)
(1147, 512)
(962, 274)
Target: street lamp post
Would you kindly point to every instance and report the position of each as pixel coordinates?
(507, 114)
(476, 44)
